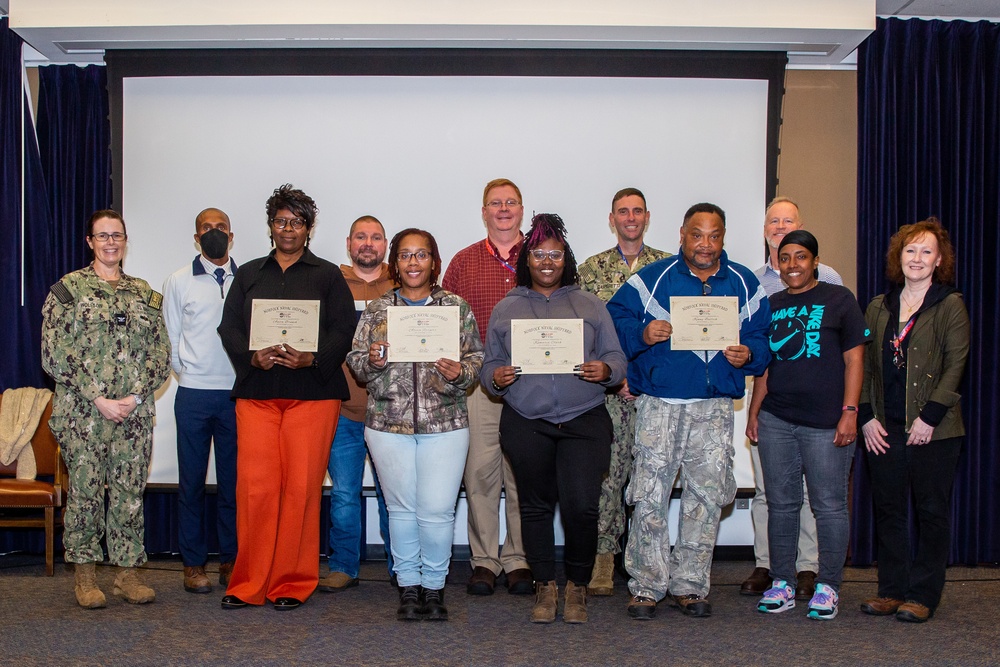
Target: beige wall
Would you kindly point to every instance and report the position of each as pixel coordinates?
(818, 162)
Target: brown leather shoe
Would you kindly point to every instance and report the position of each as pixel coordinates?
(196, 581)
(642, 608)
(758, 582)
(881, 606)
(226, 571)
(805, 585)
(692, 605)
(336, 582)
(481, 582)
(913, 612)
(520, 582)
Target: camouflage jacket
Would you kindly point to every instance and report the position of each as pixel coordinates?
(606, 271)
(411, 398)
(103, 341)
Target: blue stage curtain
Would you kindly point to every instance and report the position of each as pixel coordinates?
(929, 144)
(25, 266)
(74, 141)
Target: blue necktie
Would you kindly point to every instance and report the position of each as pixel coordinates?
(220, 277)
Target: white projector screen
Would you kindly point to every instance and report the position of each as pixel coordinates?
(417, 151)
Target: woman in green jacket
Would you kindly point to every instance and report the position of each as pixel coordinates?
(911, 418)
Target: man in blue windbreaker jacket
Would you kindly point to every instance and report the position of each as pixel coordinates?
(684, 412)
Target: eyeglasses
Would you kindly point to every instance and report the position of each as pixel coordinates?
(281, 223)
(509, 203)
(540, 255)
(420, 256)
(706, 289)
(103, 237)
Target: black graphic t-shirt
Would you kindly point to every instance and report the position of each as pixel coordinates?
(809, 334)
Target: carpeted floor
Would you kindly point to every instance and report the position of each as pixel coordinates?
(40, 624)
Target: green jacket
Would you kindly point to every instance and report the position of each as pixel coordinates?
(935, 360)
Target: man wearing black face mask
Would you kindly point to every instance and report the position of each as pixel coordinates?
(193, 298)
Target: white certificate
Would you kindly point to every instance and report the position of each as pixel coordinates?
(704, 322)
(424, 333)
(293, 322)
(546, 346)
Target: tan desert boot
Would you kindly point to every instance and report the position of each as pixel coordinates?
(88, 595)
(602, 578)
(130, 588)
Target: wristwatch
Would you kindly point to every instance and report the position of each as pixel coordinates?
(138, 399)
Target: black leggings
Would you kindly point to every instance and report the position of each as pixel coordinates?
(565, 464)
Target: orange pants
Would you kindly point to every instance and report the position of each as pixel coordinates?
(283, 451)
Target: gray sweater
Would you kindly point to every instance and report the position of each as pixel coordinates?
(556, 398)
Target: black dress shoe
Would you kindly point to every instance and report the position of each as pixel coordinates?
(233, 602)
(284, 604)
(433, 608)
(409, 604)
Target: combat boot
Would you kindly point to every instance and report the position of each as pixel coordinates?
(130, 588)
(88, 595)
(602, 578)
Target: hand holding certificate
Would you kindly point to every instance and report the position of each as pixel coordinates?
(293, 322)
(546, 346)
(704, 322)
(427, 333)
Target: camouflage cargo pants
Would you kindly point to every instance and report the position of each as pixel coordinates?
(611, 511)
(98, 451)
(695, 439)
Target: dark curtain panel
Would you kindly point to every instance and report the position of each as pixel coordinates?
(74, 140)
(929, 144)
(25, 264)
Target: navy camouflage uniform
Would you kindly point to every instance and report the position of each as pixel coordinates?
(602, 275)
(103, 340)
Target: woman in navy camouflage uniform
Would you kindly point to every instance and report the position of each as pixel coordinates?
(106, 346)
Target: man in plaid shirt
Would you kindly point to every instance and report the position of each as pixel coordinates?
(482, 274)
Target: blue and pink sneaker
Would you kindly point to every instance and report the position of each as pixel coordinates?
(823, 605)
(778, 598)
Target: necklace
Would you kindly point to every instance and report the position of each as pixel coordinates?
(911, 306)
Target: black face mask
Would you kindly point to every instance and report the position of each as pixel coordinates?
(214, 243)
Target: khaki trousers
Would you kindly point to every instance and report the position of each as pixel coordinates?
(487, 472)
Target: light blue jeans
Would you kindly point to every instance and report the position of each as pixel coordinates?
(420, 476)
(786, 452)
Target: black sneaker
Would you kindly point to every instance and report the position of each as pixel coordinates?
(642, 608)
(433, 608)
(409, 604)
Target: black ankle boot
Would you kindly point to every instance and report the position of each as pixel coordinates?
(409, 604)
(433, 608)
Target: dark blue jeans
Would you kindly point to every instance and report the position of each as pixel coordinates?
(928, 471)
(346, 468)
(787, 451)
(204, 416)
